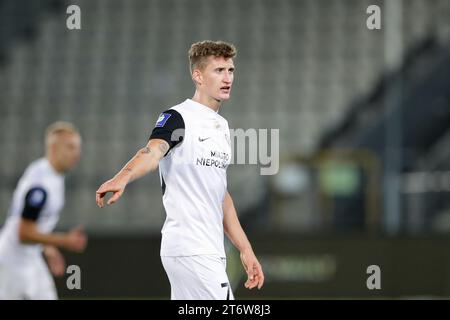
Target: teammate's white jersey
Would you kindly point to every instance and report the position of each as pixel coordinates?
(39, 196)
(193, 176)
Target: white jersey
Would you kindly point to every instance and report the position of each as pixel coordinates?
(193, 177)
(40, 184)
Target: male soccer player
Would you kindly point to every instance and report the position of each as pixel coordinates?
(191, 144)
(33, 214)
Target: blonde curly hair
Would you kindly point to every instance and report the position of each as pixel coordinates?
(200, 51)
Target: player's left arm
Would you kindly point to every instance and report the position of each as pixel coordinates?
(237, 236)
(55, 260)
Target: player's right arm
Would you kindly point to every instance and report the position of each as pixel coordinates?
(145, 161)
(167, 133)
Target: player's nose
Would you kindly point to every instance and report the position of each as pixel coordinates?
(227, 78)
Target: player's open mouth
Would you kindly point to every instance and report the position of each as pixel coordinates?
(225, 89)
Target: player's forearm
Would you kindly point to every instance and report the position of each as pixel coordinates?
(31, 236)
(49, 249)
(145, 161)
(141, 164)
(232, 226)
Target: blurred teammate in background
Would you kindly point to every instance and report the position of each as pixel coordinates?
(34, 212)
(191, 144)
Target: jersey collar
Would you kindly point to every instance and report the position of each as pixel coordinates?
(202, 106)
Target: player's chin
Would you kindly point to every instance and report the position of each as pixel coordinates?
(224, 97)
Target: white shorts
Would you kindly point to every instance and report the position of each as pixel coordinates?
(201, 277)
(30, 282)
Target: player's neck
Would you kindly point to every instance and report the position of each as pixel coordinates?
(206, 101)
(55, 165)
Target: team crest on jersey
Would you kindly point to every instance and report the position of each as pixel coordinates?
(162, 119)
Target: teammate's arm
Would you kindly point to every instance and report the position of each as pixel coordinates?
(234, 231)
(28, 232)
(145, 161)
(55, 260)
(75, 240)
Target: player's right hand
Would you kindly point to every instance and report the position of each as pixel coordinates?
(76, 240)
(114, 186)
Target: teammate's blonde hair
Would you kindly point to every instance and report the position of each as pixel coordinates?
(57, 128)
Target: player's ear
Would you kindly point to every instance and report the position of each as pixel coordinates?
(197, 76)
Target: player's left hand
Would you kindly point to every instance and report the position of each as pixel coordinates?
(253, 268)
(55, 261)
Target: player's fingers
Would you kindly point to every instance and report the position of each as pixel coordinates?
(99, 199)
(261, 281)
(258, 271)
(102, 189)
(59, 270)
(101, 193)
(255, 280)
(115, 197)
(252, 280)
(250, 284)
(250, 272)
(80, 246)
(258, 277)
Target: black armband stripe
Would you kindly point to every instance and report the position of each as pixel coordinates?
(35, 200)
(169, 127)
